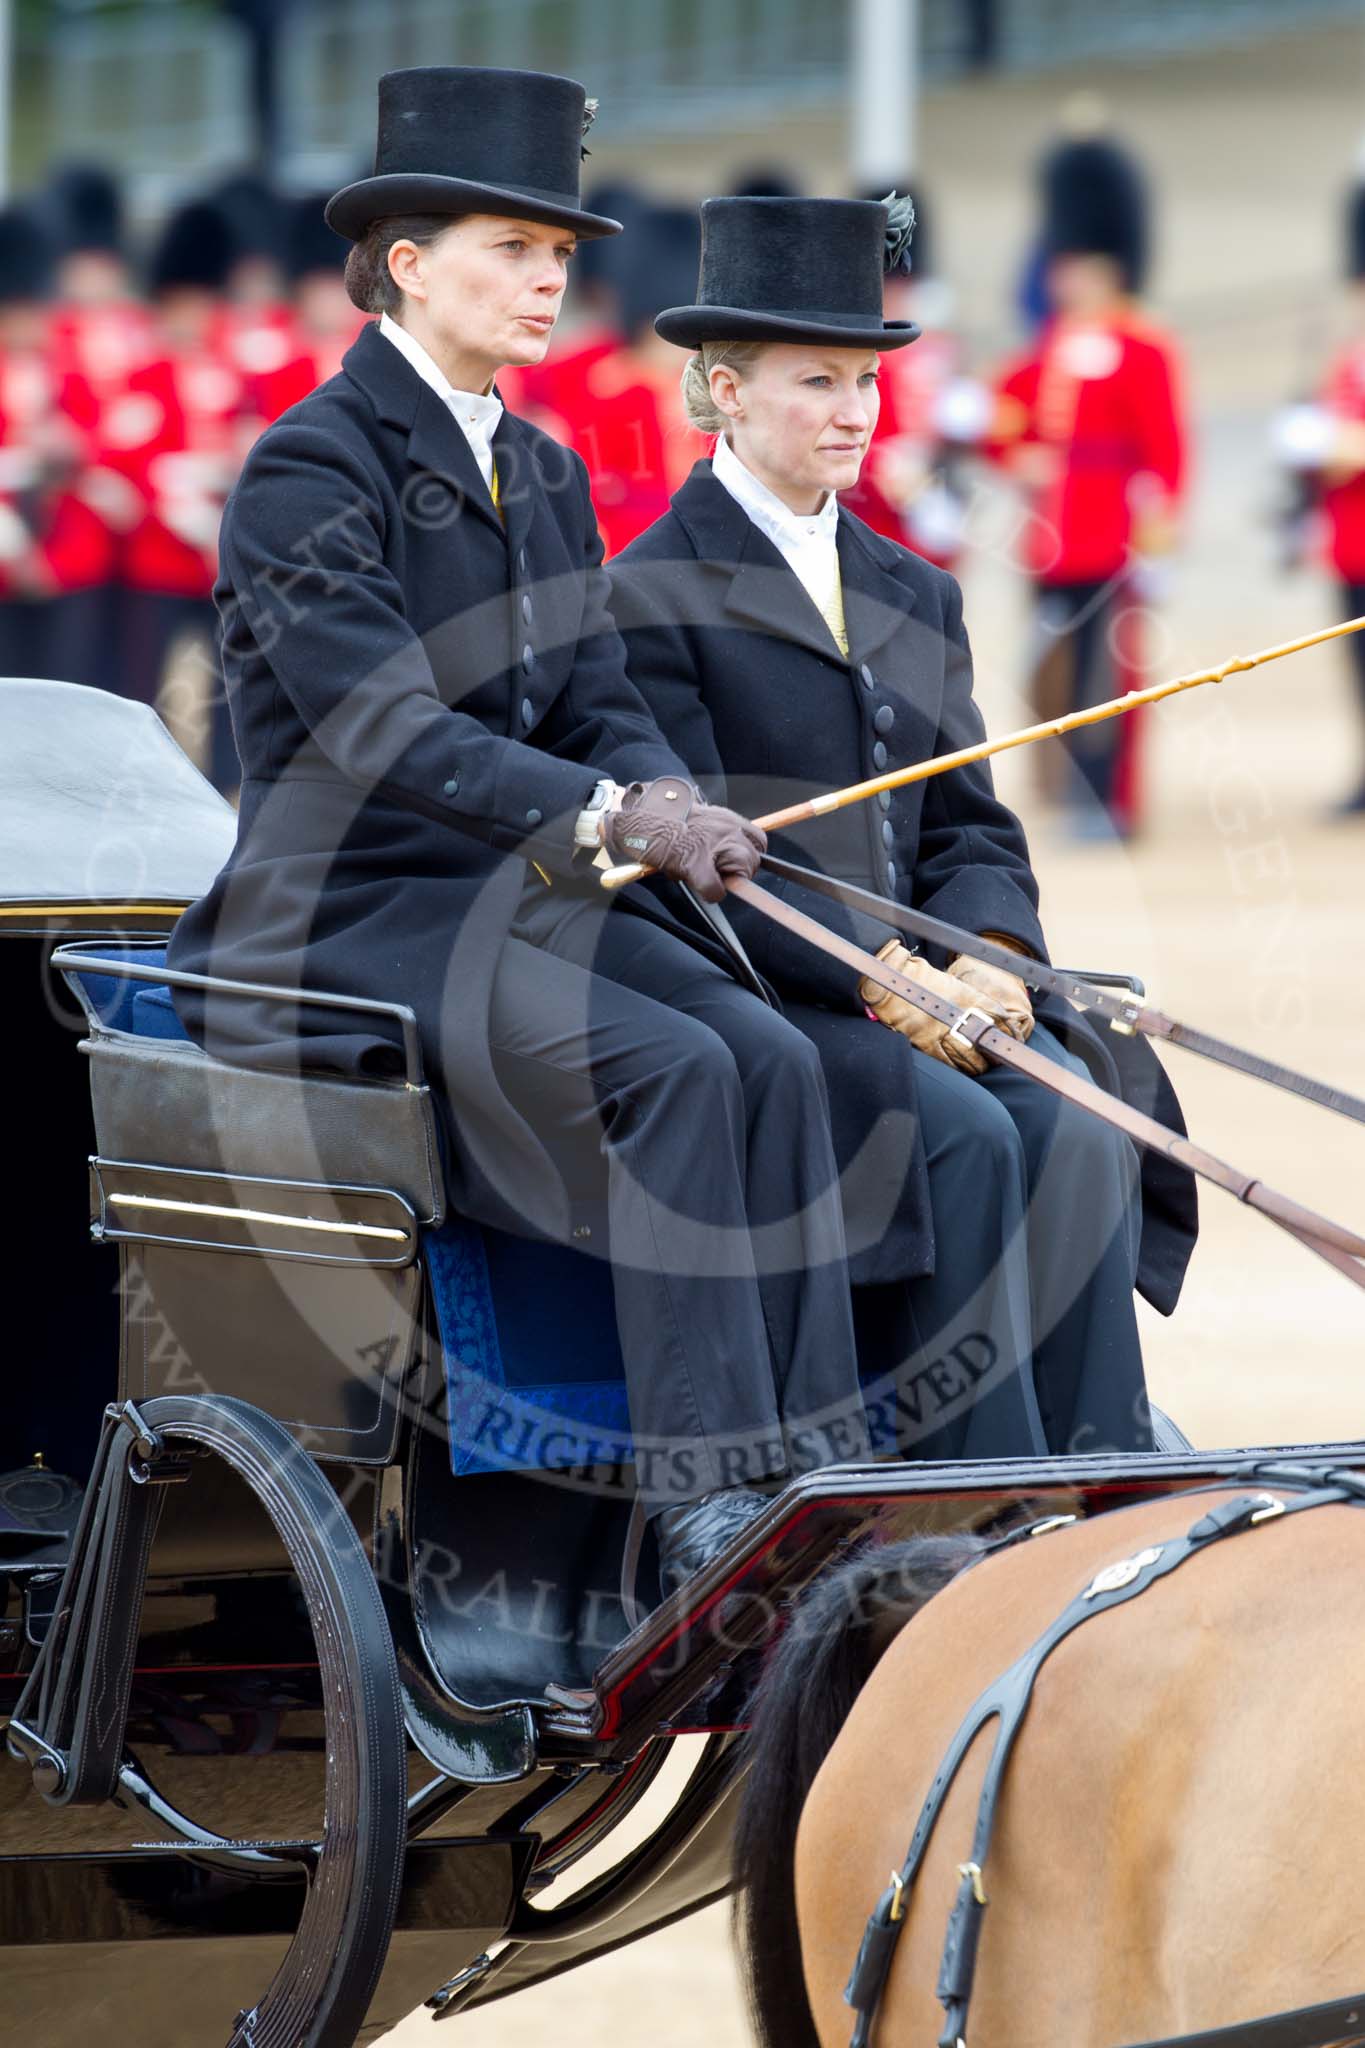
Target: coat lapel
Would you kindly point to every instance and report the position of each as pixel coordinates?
(876, 599)
(763, 589)
(435, 443)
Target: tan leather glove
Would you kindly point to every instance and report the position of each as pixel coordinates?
(926, 1033)
(670, 826)
(1006, 995)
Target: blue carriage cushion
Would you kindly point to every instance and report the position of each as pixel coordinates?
(154, 1014)
(532, 1360)
(114, 998)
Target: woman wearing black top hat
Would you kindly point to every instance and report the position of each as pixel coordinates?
(438, 734)
(994, 1235)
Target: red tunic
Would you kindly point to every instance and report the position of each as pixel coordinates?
(623, 413)
(1343, 503)
(1092, 422)
(52, 539)
(310, 362)
(178, 432)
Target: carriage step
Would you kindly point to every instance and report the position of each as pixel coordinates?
(71, 1716)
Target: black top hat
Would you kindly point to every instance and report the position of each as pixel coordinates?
(794, 270)
(458, 138)
(196, 250)
(1095, 204)
(26, 263)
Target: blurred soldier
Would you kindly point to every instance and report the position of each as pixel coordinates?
(1322, 445)
(622, 407)
(912, 488)
(256, 319)
(325, 322)
(100, 333)
(1090, 422)
(54, 549)
(179, 436)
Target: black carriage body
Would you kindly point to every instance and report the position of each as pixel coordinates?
(277, 1247)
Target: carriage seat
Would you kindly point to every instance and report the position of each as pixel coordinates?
(527, 1329)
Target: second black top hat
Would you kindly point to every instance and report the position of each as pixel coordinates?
(459, 138)
(802, 270)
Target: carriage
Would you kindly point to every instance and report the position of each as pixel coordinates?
(328, 1642)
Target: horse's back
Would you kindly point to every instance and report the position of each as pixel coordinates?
(1176, 1840)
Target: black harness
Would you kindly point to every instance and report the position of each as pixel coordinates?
(1007, 1701)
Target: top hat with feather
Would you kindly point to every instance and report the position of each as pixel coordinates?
(799, 270)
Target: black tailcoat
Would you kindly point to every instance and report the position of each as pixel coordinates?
(422, 698)
(748, 684)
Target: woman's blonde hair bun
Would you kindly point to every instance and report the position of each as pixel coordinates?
(702, 411)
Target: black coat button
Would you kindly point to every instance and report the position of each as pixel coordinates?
(888, 832)
(452, 788)
(534, 817)
(884, 719)
(879, 754)
(884, 799)
(866, 677)
(890, 874)
(528, 711)
(528, 658)
(526, 608)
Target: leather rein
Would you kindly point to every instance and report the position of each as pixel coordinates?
(1126, 1014)
(1007, 1701)
(1331, 1241)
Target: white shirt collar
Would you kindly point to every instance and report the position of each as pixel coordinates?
(787, 530)
(476, 412)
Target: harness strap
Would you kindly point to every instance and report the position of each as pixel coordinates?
(1122, 1012)
(1007, 1700)
(1341, 2022)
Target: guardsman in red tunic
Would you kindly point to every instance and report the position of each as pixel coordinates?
(912, 487)
(100, 333)
(54, 548)
(1090, 423)
(622, 407)
(256, 320)
(324, 321)
(182, 429)
(1322, 444)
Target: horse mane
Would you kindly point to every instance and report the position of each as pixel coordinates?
(821, 1663)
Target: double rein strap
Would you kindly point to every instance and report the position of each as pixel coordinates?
(1007, 1701)
(1122, 1013)
(1340, 1247)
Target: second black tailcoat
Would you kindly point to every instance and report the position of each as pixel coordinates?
(423, 695)
(748, 684)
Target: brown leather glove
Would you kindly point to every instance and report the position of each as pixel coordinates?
(670, 827)
(924, 1032)
(1003, 990)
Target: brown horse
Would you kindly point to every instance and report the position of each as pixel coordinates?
(1180, 1842)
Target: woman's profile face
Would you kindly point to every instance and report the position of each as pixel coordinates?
(487, 288)
(801, 418)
